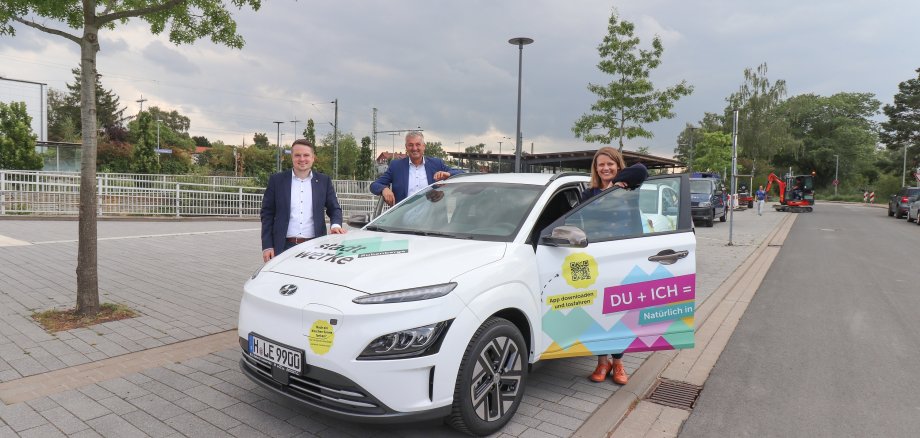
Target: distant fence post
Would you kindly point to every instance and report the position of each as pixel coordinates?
(177, 199)
(2, 192)
(240, 202)
(98, 195)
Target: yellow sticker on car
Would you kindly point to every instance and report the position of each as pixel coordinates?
(321, 337)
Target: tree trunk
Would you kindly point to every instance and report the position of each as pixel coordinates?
(87, 266)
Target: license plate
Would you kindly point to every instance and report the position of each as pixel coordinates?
(282, 356)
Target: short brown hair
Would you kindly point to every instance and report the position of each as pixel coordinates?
(304, 142)
(614, 155)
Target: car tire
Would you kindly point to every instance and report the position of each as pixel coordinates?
(890, 213)
(751, 204)
(490, 383)
(710, 219)
(898, 215)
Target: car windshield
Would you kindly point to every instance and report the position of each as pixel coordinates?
(700, 186)
(462, 210)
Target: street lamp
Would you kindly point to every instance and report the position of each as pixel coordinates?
(459, 161)
(692, 134)
(158, 139)
(520, 42)
(500, 153)
(295, 122)
(279, 144)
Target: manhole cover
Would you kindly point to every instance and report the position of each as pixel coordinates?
(675, 394)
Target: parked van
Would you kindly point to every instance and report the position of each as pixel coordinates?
(707, 200)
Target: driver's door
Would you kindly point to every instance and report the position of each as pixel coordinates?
(631, 286)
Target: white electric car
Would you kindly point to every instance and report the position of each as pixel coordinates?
(438, 307)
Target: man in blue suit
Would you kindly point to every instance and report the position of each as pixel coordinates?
(411, 174)
(294, 204)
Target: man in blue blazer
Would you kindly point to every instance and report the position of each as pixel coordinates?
(294, 204)
(411, 174)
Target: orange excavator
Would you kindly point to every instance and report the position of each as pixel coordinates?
(796, 193)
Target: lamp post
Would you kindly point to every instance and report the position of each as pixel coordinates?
(158, 139)
(278, 124)
(459, 161)
(295, 122)
(500, 153)
(836, 167)
(520, 42)
(692, 134)
(335, 139)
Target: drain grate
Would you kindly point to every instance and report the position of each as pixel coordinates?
(675, 394)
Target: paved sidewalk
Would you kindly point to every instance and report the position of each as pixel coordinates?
(185, 278)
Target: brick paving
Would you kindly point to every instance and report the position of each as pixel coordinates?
(186, 281)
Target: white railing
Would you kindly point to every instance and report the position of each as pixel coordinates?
(54, 193)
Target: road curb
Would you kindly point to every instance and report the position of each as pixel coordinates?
(607, 417)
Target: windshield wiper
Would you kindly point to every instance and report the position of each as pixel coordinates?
(376, 228)
(425, 233)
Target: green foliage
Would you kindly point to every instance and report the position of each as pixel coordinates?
(179, 162)
(144, 158)
(348, 156)
(630, 99)
(713, 152)
(114, 156)
(17, 142)
(63, 117)
(108, 113)
(310, 132)
(364, 168)
(258, 163)
(764, 131)
(260, 140)
(220, 157)
(902, 129)
(434, 149)
(172, 120)
(201, 140)
(826, 127)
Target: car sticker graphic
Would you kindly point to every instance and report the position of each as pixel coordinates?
(321, 337)
(349, 250)
(663, 320)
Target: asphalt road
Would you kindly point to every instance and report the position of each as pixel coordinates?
(830, 345)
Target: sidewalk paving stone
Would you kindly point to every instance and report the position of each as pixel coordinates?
(115, 426)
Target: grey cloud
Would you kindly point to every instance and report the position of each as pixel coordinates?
(169, 59)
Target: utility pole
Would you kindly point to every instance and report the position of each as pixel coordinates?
(158, 140)
(295, 122)
(459, 161)
(335, 138)
(690, 164)
(278, 124)
(141, 101)
(836, 167)
(374, 139)
(731, 212)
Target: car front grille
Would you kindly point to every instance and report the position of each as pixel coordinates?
(320, 388)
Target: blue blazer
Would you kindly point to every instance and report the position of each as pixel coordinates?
(276, 208)
(397, 174)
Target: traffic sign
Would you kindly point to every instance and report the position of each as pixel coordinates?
(835, 182)
(163, 151)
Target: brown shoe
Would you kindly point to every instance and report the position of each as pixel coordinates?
(619, 374)
(600, 373)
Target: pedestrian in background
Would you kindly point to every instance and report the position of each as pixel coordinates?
(295, 202)
(761, 197)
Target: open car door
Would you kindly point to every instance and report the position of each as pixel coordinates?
(618, 272)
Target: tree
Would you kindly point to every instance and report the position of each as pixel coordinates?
(63, 118)
(713, 152)
(173, 120)
(201, 140)
(144, 158)
(364, 170)
(260, 140)
(348, 156)
(435, 149)
(309, 132)
(902, 129)
(17, 142)
(187, 20)
(630, 99)
(838, 125)
(108, 113)
(763, 130)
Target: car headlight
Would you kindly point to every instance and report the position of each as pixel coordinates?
(406, 295)
(705, 204)
(419, 341)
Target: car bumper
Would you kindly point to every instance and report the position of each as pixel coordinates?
(701, 212)
(332, 394)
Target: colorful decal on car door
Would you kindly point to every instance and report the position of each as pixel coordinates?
(646, 312)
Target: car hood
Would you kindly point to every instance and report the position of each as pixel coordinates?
(371, 262)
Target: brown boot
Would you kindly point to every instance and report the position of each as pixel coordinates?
(600, 373)
(619, 373)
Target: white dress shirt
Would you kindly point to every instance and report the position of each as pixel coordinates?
(300, 223)
(418, 179)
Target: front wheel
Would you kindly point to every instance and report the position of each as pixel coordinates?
(490, 384)
(890, 213)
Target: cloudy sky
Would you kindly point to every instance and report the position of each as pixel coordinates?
(447, 66)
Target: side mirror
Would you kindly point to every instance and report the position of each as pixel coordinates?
(359, 220)
(566, 236)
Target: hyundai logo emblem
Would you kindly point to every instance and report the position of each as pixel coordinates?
(288, 289)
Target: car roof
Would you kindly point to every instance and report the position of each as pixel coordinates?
(537, 179)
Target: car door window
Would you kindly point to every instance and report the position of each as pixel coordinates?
(620, 214)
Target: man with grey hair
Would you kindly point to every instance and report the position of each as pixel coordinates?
(406, 176)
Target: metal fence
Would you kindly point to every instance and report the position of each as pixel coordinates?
(54, 193)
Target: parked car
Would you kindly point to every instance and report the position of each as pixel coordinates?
(913, 211)
(707, 200)
(438, 307)
(899, 203)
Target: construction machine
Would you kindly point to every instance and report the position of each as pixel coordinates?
(796, 192)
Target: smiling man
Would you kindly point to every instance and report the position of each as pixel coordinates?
(295, 203)
(406, 176)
